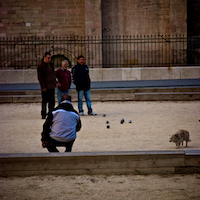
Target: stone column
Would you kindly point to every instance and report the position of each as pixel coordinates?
(93, 32)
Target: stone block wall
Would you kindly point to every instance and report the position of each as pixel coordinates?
(178, 17)
(93, 17)
(144, 17)
(42, 18)
(111, 74)
(89, 18)
(106, 163)
(79, 17)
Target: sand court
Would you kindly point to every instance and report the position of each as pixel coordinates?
(152, 124)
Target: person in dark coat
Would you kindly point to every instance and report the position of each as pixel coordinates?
(81, 79)
(47, 80)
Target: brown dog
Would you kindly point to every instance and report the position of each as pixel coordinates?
(180, 136)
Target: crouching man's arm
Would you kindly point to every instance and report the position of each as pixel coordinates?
(78, 126)
(46, 129)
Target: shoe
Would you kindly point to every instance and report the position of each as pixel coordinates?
(92, 113)
(81, 113)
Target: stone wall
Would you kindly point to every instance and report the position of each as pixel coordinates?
(42, 18)
(93, 27)
(89, 18)
(93, 17)
(144, 17)
(79, 17)
(95, 163)
(111, 74)
(178, 17)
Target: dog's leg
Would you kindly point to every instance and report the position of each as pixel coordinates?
(178, 145)
(186, 143)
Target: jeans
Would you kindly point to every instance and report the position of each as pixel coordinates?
(87, 98)
(60, 93)
(53, 144)
(48, 97)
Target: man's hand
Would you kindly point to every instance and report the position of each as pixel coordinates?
(44, 89)
(58, 84)
(45, 144)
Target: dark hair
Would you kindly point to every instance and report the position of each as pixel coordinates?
(66, 97)
(80, 57)
(47, 53)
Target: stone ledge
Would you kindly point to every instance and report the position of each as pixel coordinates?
(91, 163)
(111, 74)
(143, 94)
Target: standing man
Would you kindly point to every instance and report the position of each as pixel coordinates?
(47, 80)
(61, 126)
(64, 80)
(80, 73)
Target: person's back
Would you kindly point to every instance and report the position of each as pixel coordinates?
(61, 126)
(65, 119)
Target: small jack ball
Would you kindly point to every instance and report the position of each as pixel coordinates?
(108, 126)
(104, 115)
(130, 121)
(107, 122)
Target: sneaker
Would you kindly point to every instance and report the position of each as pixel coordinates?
(81, 113)
(92, 113)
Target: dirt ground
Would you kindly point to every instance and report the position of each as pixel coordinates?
(152, 124)
(130, 187)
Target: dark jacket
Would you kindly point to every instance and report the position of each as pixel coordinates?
(81, 78)
(49, 121)
(46, 75)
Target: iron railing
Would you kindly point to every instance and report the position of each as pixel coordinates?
(108, 51)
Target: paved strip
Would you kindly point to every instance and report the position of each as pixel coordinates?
(112, 84)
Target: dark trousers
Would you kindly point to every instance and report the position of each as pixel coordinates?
(48, 97)
(53, 144)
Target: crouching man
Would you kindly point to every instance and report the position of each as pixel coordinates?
(61, 126)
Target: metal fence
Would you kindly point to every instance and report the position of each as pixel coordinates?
(108, 51)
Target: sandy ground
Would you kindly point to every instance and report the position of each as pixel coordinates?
(152, 124)
(151, 187)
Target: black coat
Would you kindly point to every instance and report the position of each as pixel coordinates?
(81, 78)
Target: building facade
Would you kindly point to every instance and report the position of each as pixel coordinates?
(93, 18)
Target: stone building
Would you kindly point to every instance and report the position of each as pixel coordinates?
(99, 18)
(90, 17)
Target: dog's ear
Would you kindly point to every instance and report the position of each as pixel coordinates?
(176, 135)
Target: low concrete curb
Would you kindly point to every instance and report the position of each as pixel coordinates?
(9, 76)
(122, 94)
(94, 163)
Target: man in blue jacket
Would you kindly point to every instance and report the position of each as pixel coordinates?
(61, 126)
(81, 79)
